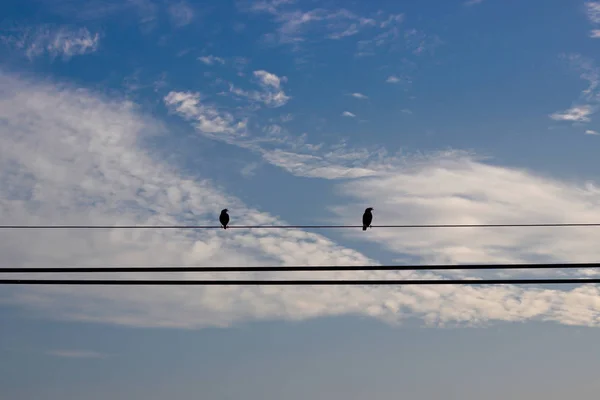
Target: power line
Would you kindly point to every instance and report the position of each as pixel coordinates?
(313, 268)
(297, 226)
(580, 281)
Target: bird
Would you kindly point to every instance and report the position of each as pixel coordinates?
(367, 218)
(224, 218)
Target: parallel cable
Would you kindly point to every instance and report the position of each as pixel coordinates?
(313, 268)
(426, 226)
(362, 282)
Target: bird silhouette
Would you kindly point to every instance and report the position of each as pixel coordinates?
(367, 218)
(224, 218)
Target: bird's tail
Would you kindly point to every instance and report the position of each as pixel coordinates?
(364, 227)
(224, 226)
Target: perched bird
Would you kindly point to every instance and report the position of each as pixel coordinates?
(367, 218)
(224, 218)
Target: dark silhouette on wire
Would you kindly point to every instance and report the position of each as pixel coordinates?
(400, 226)
(224, 218)
(367, 282)
(312, 268)
(367, 218)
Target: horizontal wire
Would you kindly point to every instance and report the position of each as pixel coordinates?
(300, 282)
(26, 270)
(295, 226)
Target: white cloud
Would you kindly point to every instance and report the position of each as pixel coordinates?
(72, 157)
(295, 24)
(181, 14)
(208, 119)
(210, 59)
(62, 41)
(593, 11)
(587, 105)
(595, 34)
(406, 111)
(75, 354)
(456, 188)
(575, 114)
(473, 2)
(348, 114)
(591, 132)
(313, 166)
(272, 95)
(359, 96)
(269, 79)
(392, 79)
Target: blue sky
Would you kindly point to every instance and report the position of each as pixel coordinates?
(299, 112)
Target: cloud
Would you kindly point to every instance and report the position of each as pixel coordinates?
(272, 94)
(359, 96)
(295, 25)
(473, 2)
(420, 42)
(591, 132)
(575, 114)
(348, 114)
(588, 101)
(406, 111)
(207, 118)
(72, 156)
(387, 36)
(269, 79)
(593, 11)
(76, 354)
(327, 166)
(54, 41)
(210, 60)
(392, 79)
(181, 14)
(249, 170)
(458, 188)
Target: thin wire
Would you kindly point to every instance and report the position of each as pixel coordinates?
(295, 226)
(31, 270)
(299, 282)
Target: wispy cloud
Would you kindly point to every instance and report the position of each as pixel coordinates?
(473, 2)
(348, 114)
(54, 41)
(591, 132)
(589, 100)
(272, 93)
(388, 34)
(575, 114)
(393, 79)
(207, 118)
(419, 42)
(181, 13)
(593, 13)
(76, 354)
(210, 59)
(296, 24)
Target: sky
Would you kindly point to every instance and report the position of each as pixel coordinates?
(161, 112)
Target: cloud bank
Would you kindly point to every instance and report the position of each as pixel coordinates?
(72, 156)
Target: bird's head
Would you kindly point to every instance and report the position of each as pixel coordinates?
(369, 209)
(224, 210)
